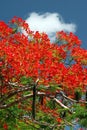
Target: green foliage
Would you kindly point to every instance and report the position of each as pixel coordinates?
(46, 121)
(78, 94)
(51, 104)
(54, 87)
(25, 80)
(80, 115)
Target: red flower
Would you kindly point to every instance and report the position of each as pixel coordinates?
(59, 120)
(5, 126)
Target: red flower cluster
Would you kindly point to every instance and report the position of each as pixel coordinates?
(35, 56)
(5, 30)
(70, 39)
(80, 55)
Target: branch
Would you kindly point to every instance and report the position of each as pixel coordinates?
(32, 122)
(21, 89)
(11, 94)
(16, 101)
(44, 124)
(56, 100)
(62, 105)
(68, 123)
(31, 95)
(72, 100)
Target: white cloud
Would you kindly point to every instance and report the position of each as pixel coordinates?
(49, 23)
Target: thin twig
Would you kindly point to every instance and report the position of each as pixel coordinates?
(72, 100)
(16, 101)
(11, 94)
(62, 105)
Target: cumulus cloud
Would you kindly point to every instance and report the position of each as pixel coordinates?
(49, 23)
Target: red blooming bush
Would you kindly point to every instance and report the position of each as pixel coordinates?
(40, 81)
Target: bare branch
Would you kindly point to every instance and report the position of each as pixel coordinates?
(72, 100)
(16, 101)
(68, 123)
(31, 95)
(11, 94)
(62, 105)
(56, 100)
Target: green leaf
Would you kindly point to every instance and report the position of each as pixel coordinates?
(25, 80)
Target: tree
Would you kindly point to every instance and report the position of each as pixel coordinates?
(41, 83)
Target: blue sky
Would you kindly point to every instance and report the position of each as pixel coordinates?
(66, 12)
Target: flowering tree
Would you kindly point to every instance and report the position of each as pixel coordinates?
(42, 84)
